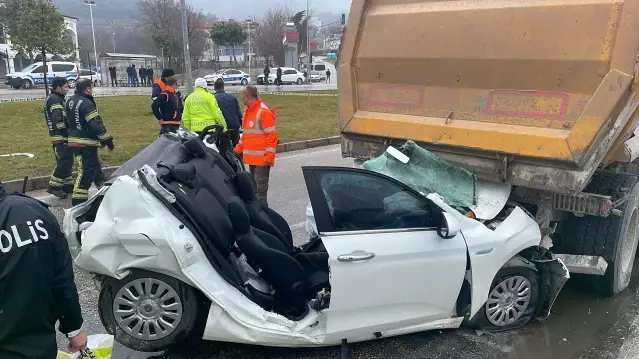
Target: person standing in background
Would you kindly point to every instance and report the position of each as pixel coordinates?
(278, 79)
(328, 76)
(259, 140)
(230, 109)
(128, 75)
(113, 76)
(166, 108)
(86, 133)
(61, 182)
(142, 72)
(149, 76)
(267, 72)
(134, 75)
(201, 110)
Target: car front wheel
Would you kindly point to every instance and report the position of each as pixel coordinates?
(148, 311)
(513, 300)
(244, 82)
(26, 84)
(300, 81)
(71, 83)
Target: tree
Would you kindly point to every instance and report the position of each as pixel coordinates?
(160, 18)
(228, 34)
(269, 34)
(36, 26)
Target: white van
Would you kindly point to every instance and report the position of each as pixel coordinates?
(33, 74)
(318, 72)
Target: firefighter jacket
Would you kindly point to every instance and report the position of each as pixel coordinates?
(36, 280)
(157, 88)
(259, 138)
(166, 108)
(56, 119)
(86, 127)
(201, 110)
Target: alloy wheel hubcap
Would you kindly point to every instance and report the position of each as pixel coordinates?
(508, 301)
(147, 309)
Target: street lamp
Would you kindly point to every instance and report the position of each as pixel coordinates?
(187, 53)
(308, 41)
(114, 42)
(91, 4)
(248, 23)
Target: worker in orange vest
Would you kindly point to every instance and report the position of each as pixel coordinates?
(259, 140)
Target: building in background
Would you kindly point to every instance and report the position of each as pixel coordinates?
(11, 61)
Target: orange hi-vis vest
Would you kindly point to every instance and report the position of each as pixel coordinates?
(259, 137)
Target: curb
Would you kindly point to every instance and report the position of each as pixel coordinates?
(42, 182)
(113, 94)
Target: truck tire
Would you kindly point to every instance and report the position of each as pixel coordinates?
(615, 237)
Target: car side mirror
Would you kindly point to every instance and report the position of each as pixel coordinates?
(449, 226)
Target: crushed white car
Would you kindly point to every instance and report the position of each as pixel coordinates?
(178, 233)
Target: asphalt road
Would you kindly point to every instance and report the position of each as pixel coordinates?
(9, 93)
(582, 325)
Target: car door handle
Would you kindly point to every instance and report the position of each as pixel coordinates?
(356, 257)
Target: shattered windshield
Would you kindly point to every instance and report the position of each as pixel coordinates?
(427, 173)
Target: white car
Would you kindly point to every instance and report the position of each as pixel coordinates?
(230, 76)
(289, 76)
(33, 75)
(91, 75)
(186, 237)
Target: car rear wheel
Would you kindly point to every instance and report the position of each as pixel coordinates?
(148, 311)
(71, 83)
(513, 299)
(26, 84)
(244, 82)
(300, 81)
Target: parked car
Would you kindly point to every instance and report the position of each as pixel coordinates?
(169, 242)
(91, 75)
(289, 76)
(229, 76)
(33, 75)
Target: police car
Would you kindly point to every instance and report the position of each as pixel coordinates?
(229, 76)
(33, 74)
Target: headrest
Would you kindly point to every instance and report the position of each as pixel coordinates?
(239, 217)
(196, 147)
(183, 173)
(245, 186)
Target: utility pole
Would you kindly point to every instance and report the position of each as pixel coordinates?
(114, 42)
(91, 4)
(250, 57)
(308, 41)
(187, 53)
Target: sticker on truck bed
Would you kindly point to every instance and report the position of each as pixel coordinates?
(528, 104)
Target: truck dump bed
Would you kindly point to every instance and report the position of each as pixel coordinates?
(538, 93)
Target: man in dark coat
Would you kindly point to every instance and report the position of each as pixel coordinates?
(230, 109)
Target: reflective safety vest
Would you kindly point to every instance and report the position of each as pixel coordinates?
(259, 138)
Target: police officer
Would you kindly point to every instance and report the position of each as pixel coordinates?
(61, 181)
(36, 282)
(86, 134)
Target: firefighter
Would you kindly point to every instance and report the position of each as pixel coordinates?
(36, 282)
(201, 110)
(166, 108)
(259, 140)
(86, 134)
(61, 182)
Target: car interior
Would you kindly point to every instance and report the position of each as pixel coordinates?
(247, 242)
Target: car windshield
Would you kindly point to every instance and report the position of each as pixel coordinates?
(30, 68)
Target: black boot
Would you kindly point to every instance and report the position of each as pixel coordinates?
(67, 188)
(57, 191)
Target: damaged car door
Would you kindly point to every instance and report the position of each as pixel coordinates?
(390, 270)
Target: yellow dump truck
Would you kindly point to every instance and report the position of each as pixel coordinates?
(540, 94)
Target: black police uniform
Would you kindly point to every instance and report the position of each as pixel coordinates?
(37, 287)
(86, 134)
(55, 116)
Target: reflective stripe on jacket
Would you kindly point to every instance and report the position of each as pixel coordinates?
(201, 110)
(259, 139)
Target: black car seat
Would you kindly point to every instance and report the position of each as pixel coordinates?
(278, 268)
(198, 149)
(262, 217)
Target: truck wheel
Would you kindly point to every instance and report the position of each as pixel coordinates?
(513, 300)
(148, 311)
(614, 238)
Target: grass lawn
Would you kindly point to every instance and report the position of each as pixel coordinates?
(130, 121)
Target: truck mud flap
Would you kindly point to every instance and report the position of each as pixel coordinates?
(554, 274)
